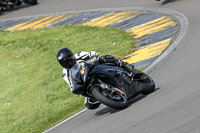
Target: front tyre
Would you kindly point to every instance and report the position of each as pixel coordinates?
(114, 100)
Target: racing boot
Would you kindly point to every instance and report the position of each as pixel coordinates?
(127, 67)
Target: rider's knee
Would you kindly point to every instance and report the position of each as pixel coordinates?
(106, 59)
(91, 103)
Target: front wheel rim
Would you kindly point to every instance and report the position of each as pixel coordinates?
(116, 96)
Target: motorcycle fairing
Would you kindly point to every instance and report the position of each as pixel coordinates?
(78, 74)
(115, 75)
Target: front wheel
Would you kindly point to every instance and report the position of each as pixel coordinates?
(112, 99)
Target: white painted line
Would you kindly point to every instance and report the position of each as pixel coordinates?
(82, 111)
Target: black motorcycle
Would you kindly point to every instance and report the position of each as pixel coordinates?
(9, 4)
(110, 85)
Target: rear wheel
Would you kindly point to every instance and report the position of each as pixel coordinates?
(149, 84)
(114, 99)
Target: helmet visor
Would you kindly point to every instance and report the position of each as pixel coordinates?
(68, 62)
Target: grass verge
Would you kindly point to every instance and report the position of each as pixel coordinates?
(33, 95)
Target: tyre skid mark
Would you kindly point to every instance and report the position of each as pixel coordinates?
(80, 18)
(137, 20)
(111, 18)
(10, 23)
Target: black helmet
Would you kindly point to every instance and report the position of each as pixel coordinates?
(66, 58)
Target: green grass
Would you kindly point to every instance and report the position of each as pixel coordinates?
(33, 94)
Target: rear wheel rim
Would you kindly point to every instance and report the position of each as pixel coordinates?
(116, 96)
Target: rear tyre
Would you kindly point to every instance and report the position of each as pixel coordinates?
(117, 100)
(149, 84)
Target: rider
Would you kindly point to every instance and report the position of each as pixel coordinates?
(166, 1)
(67, 60)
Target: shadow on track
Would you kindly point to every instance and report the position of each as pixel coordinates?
(111, 110)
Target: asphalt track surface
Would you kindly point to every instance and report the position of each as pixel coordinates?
(174, 107)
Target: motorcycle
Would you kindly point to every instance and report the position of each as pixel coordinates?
(9, 4)
(110, 85)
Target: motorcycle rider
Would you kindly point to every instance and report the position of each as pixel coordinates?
(166, 1)
(68, 60)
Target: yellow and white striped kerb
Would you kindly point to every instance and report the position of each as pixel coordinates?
(145, 28)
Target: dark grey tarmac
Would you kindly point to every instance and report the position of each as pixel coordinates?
(174, 107)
